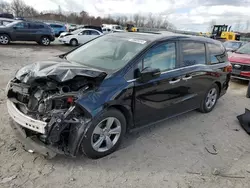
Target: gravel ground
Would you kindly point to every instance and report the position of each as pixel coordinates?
(169, 154)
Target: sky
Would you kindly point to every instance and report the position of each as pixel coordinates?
(193, 15)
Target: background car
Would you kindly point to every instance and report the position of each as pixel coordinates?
(72, 27)
(26, 31)
(79, 36)
(106, 30)
(233, 45)
(58, 28)
(5, 21)
(240, 61)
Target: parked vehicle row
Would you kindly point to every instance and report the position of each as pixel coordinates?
(87, 99)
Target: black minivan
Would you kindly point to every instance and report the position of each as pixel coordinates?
(88, 98)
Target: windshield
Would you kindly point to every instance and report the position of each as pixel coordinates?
(244, 49)
(76, 31)
(109, 53)
(232, 45)
(12, 23)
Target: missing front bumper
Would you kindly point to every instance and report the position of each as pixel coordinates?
(32, 144)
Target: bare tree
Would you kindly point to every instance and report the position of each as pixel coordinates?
(211, 25)
(18, 7)
(237, 26)
(151, 20)
(29, 12)
(247, 26)
(5, 7)
(136, 19)
(158, 22)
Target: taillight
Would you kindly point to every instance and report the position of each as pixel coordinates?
(228, 68)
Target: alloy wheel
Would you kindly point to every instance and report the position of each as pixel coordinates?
(211, 98)
(106, 134)
(4, 39)
(45, 41)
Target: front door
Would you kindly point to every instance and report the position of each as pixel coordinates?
(87, 35)
(22, 31)
(166, 95)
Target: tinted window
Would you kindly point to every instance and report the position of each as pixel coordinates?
(162, 57)
(36, 26)
(193, 53)
(22, 25)
(217, 53)
(85, 32)
(94, 33)
(56, 26)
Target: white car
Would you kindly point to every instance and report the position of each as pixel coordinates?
(79, 36)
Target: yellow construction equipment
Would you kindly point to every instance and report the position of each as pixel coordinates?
(223, 32)
(131, 28)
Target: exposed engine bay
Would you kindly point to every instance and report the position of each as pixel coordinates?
(42, 99)
(53, 103)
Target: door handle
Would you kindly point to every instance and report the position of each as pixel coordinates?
(174, 81)
(187, 78)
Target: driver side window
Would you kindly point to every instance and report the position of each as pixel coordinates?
(21, 25)
(162, 57)
(85, 32)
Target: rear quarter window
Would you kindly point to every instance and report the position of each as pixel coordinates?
(217, 53)
(193, 53)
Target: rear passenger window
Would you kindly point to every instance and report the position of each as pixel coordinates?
(217, 53)
(162, 57)
(193, 53)
(94, 33)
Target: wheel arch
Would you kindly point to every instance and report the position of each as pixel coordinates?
(126, 112)
(4, 33)
(219, 86)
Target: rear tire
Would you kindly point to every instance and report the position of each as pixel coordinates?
(73, 42)
(4, 39)
(210, 99)
(45, 41)
(248, 90)
(101, 139)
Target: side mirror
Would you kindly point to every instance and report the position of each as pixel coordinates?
(148, 74)
(14, 27)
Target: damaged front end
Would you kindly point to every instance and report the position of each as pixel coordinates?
(42, 103)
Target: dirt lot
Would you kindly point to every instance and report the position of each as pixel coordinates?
(170, 154)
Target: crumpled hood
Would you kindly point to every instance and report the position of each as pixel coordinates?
(59, 71)
(240, 58)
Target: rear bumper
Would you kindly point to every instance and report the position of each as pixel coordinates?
(32, 144)
(240, 77)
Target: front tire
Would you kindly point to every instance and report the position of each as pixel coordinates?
(104, 135)
(45, 41)
(248, 90)
(4, 39)
(210, 99)
(73, 42)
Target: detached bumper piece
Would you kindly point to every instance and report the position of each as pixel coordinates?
(31, 144)
(25, 121)
(244, 120)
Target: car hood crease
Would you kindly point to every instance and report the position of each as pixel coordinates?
(58, 71)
